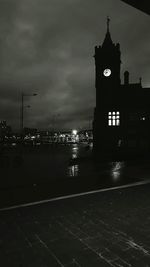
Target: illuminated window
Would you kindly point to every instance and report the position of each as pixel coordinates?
(114, 118)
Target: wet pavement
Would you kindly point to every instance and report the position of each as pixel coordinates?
(109, 228)
(50, 172)
(105, 229)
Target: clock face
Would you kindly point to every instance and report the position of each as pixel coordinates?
(107, 72)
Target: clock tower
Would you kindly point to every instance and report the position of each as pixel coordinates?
(106, 122)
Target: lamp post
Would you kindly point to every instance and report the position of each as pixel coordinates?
(22, 111)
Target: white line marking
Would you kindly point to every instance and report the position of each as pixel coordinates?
(75, 195)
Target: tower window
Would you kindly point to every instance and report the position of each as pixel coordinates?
(114, 118)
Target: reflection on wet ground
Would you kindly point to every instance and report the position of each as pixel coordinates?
(117, 170)
(75, 150)
(106, 173)
(113, 169)
(73, 170)
(64, 169)
(58, 162)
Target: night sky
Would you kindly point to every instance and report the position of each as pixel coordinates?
(47, 47)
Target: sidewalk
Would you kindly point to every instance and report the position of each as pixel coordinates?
(105, 229)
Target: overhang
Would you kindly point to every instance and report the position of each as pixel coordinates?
(142, 5)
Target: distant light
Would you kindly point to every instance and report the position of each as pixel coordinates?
(142, 118)
(14, 144)
(74, 132)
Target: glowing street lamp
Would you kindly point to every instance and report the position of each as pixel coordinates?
(74, 132)
(75, 135)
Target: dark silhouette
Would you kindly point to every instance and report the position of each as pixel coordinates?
(142, 5)
(121, 123)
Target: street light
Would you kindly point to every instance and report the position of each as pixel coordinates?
(22, 110)
(74, 132)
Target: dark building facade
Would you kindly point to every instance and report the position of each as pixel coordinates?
(122, 112)
(141, 5)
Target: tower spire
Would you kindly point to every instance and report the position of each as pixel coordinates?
(108, 22)
(107, 41)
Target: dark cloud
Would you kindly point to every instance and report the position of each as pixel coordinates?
(47, 46)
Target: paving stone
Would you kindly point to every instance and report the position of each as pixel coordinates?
(45, 255)
(66, 250)
(105, 229)
(121, 263)
(88, 258)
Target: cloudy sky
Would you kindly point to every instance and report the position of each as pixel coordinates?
(47, 47)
